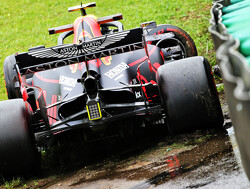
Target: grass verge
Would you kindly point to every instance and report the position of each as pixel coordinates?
(24, 23)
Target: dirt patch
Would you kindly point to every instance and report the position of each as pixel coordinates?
(150, 159)
(152, 164)
(155, 165)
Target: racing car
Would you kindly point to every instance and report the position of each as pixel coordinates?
(109, 81)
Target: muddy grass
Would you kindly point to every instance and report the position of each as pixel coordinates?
(166, 158)
(151, 158)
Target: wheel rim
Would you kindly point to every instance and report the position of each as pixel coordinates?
(171, 44)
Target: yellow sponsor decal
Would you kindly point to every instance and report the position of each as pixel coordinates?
(107, 60)
(73, 68)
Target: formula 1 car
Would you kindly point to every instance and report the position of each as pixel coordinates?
(108, 81)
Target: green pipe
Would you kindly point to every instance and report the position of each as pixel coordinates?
(242, 28)
(248, 60)
(235, 7)
(236, 1)
(241, 12)
(237, 20)
(245, 47)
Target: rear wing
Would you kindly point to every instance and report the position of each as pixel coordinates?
(100, 21)
(67, 54)
(82, 8)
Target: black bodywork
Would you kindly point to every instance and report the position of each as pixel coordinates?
(118, 80)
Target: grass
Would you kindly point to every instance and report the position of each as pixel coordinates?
(24, 23)
(220, 88)
(14, 183)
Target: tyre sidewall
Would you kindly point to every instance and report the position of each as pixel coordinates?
(9, 75)
(18, 155)
(189, 95)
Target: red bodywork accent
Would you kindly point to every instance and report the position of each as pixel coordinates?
(142, 59)
(22, 88)
(147, 55)
(160, 32)
(91, 22)
(152, 68)
(52, 112)
(156, 65)
(161, 53)
(28, 106)
(142, 78)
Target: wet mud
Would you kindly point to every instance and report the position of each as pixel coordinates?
(155, 166)
(202, 159)
(146, 161)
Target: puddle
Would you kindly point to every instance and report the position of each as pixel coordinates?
(189, 160)
(203, 159)
(159, 165)
(221, 171)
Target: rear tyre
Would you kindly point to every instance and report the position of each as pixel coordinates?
(187, 43)
(18, 155)
(189, 95)
(9, 75)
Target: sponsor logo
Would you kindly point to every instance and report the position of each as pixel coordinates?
(71, 82)
(73, 68)
(134, 81)
(67, 50)
(138, 94)
(106, 60)
(116, 70)
(62, 55)
(67, 89)
(64, 51)
(74, 50)
(92, 44)
(83, 58)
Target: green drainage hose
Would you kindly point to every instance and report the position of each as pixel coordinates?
(242, 11)
(236, 21)
(242, 33)
(245, 48)
(236, 18)
(235, 7)
(248, 60)
(236, 1)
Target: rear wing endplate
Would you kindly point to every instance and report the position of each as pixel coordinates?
(82, 6)
(63, 55)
